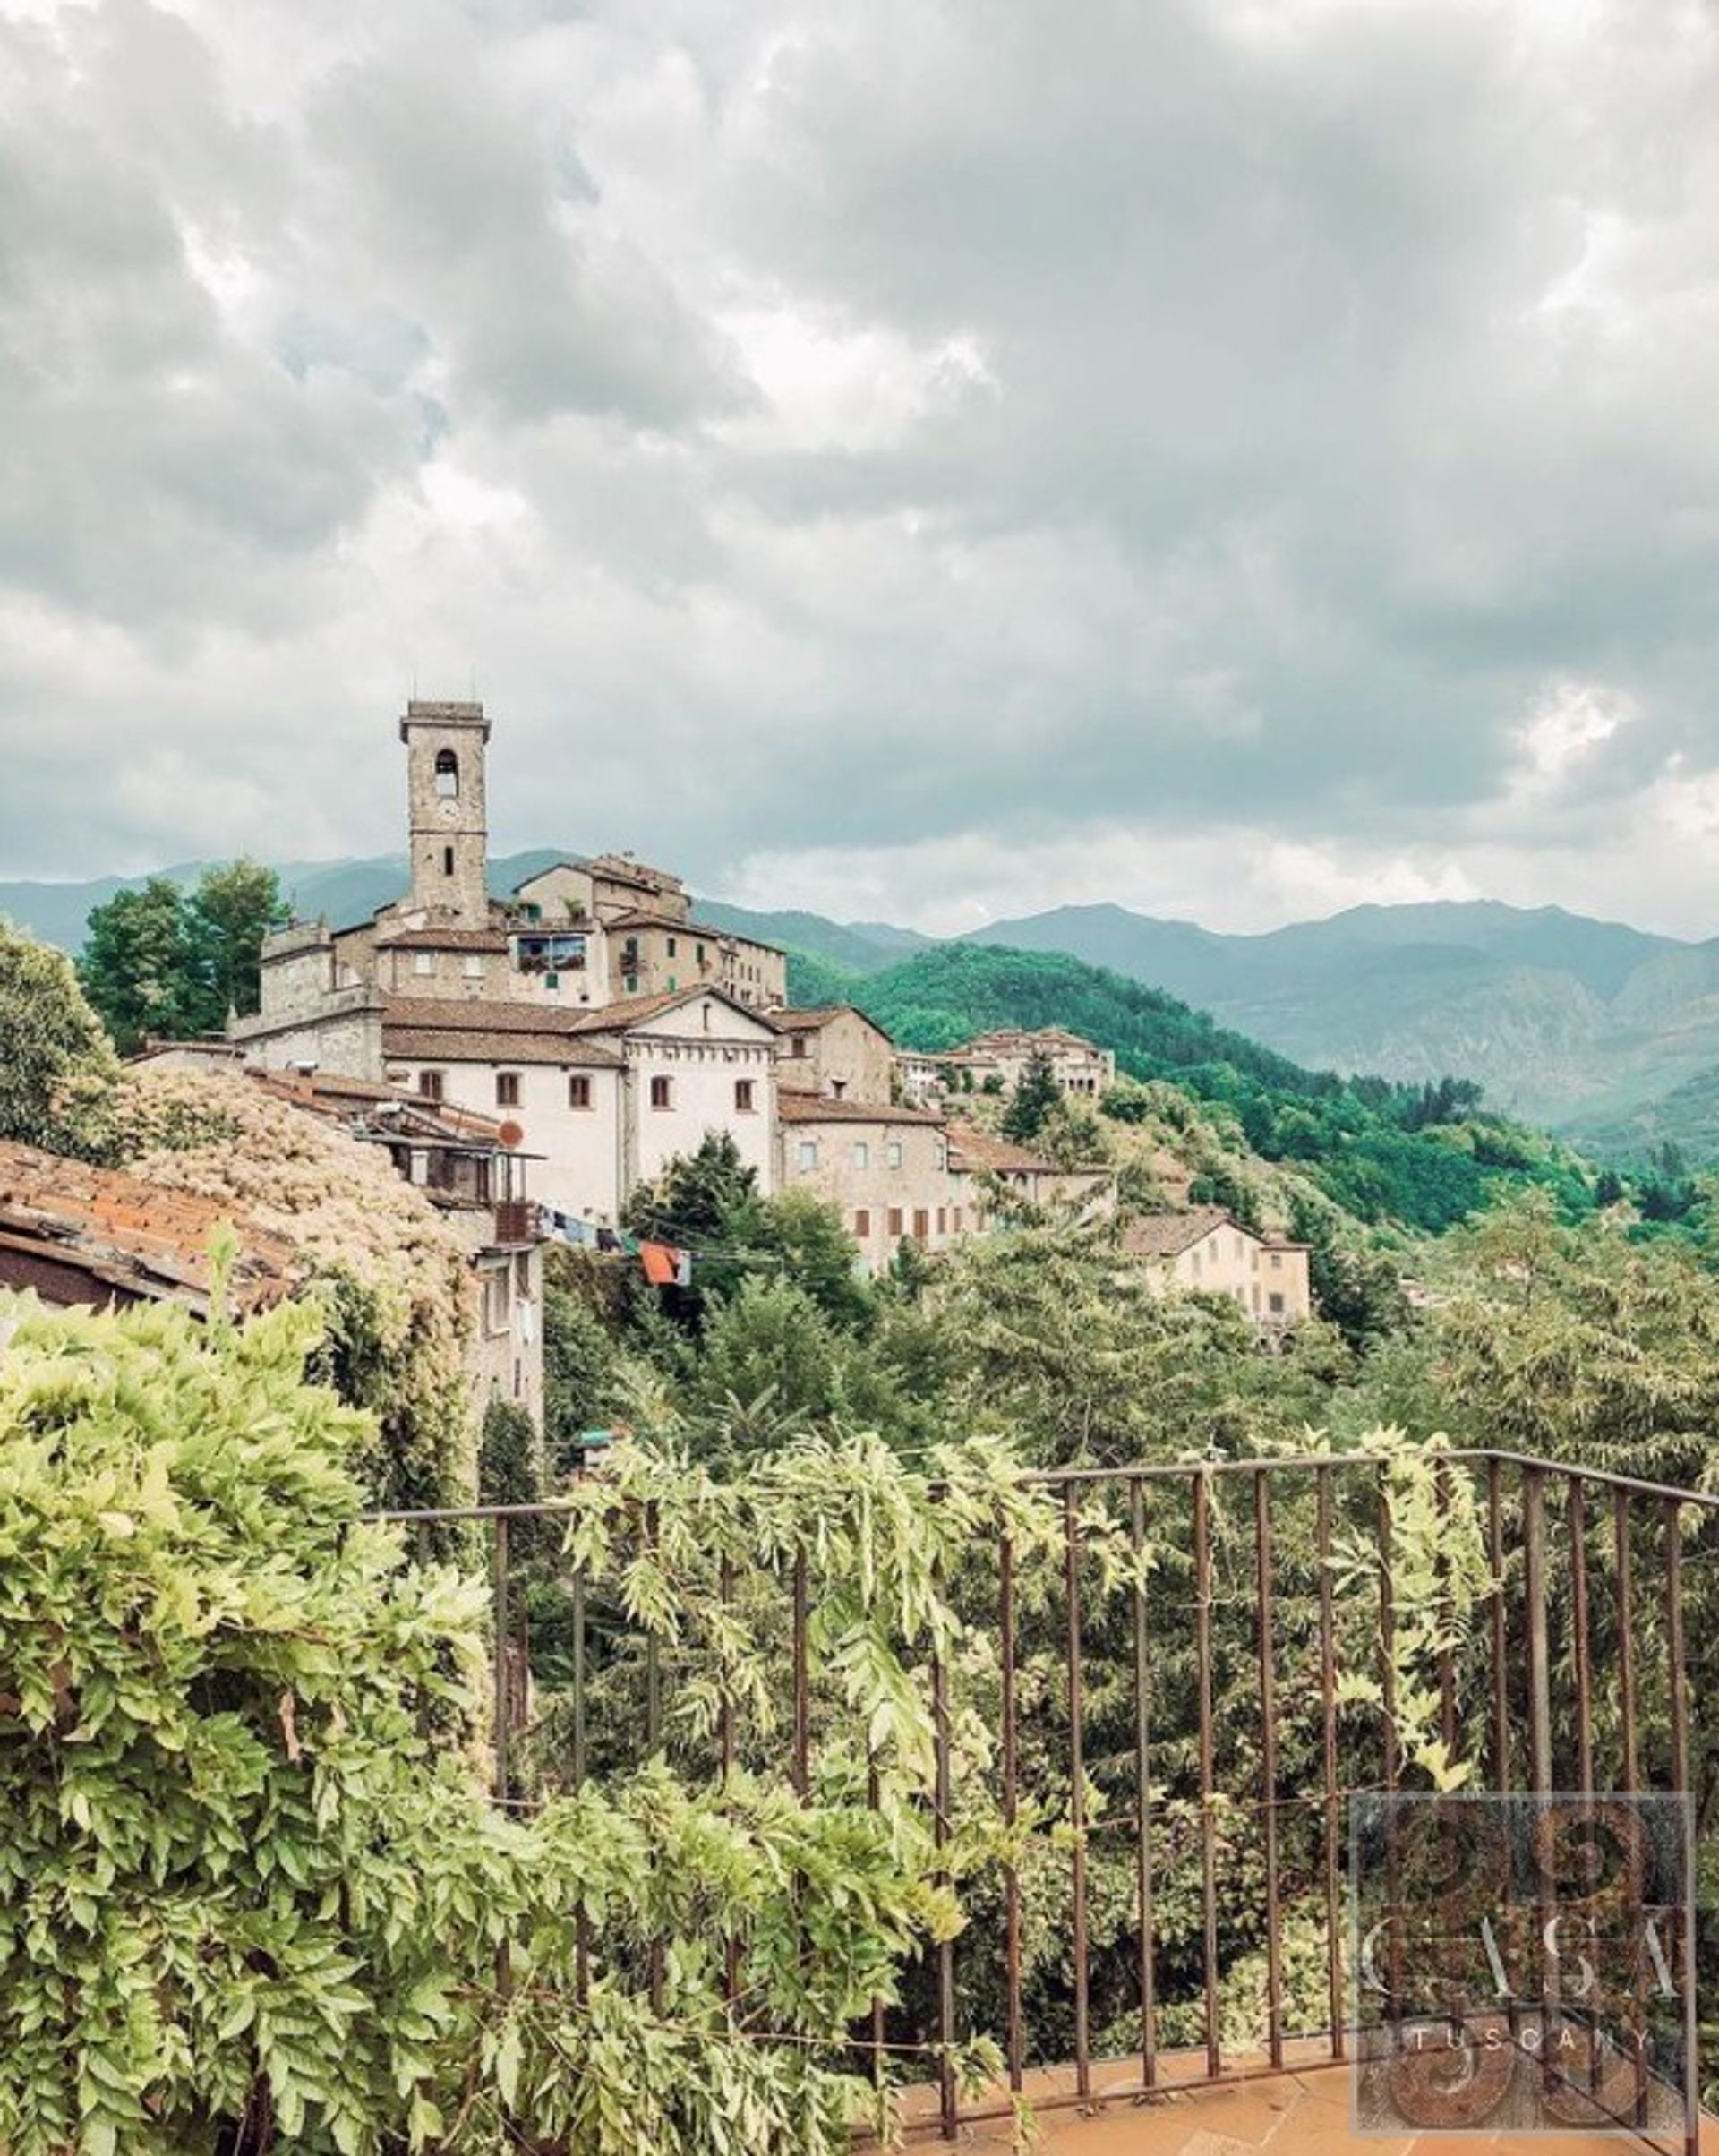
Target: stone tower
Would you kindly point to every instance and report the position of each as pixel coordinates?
(444, 770)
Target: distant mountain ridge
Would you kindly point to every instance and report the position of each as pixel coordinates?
(1583, 1024)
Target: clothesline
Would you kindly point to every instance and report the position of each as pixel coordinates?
(664, 1265)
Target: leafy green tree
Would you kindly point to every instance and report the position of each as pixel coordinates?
(138, 966)
(231, 910)
(1035, 1098)
(57, 1071)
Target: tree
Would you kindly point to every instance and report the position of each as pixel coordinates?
(136, 965)
(157, 963)
(230, 912)
(1035, 1098)
(57, 1071)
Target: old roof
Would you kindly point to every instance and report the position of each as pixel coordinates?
(984, 1148)
(1168, 1235)
(814, 1018)
(676, 925)
(130, 1235)
(1013, 1039)
(477, 1030)
(634, 1010)
(442, 939)
(343, 1099)
(816, 1108)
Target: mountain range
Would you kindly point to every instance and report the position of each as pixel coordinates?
(1606, 1032)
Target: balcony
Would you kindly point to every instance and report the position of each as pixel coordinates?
(514, 1221)
(1188, 1708)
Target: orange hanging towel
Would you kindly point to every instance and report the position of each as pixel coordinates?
(660, 1263)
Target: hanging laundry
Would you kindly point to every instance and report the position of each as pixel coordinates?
(683, 1269)
(660, 1262)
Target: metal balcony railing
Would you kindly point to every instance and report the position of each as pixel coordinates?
(1203, 1732)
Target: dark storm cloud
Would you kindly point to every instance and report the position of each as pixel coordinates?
(959, 446)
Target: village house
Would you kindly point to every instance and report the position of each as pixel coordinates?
(884, 1168)
(997, 1062)
(836, 1051)
(975, 1154)
(1209, 1250)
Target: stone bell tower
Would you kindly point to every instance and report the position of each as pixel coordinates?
(449, 825)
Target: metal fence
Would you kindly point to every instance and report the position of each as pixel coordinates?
(1203, 1731)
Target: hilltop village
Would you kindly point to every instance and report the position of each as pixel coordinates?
(608, 1031)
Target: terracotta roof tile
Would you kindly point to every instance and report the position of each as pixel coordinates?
(814, 1107)
(1168, 1235)
(129, 1234)
(986, 1148)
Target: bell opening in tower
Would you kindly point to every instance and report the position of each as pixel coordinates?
(446, 776)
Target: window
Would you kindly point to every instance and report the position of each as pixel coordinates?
(670, 946)
(446, 776)
(429, 1084)
(630, 981)
(806, 1152)
(942, 1221)
(424, 961)
(507, 1088)
(673, 984)
(1277, 1261)
(893, 1153)
(798, 1050)
(862, 1223)
(957, 1219)
(894, 1217)
(495, 1302)
(861, 1153)
(922, 1223)
(474, 967)
(578, 1091)
(447, 860)
(662, 1092)
(1274, 1304)
(698, 952)
(838, 1089)
(743, 1100)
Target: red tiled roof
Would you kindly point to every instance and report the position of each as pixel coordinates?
(1168, 1235)
(814, 1107)
(634, 1010)
(127, 1234)
(812, 1018)
(442, 939)
(984, 1148)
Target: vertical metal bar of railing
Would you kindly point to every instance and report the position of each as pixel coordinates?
(1501, 1746)
(1077, 1788)
(1011, 1770)
(1580, 1639)
(1387, 1631)
(1268, 1765)
(1333, 1798)
(942, 1800)
(727, 1745)
(802, 1752)
(1143, 1880)
(1208, 1834)
(501, 1617)
(1623, 1556)
(1533, 1598)
(1677, 1679)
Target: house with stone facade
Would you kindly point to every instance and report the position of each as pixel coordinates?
(836, 1051)
(1209, 1250)
(997, 1062)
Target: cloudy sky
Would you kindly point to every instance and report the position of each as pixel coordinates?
(924, 458)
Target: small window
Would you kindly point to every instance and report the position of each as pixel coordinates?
(446, 776)
(578, 1091)
(474, 968)
(799, 1048)
(893, 1218)
(806, 1153)
(743, 1100)
(698, 952)
(893, 1153)
(862, 1223)
(861, 1153)
(662, 1092)
(673, 984)
(447, 860)
(507, 1088)
(429, 1084)
(957, 1219)
(630, 981)
(922, 1223)
(671, 948)
(1277, 1261)
(1274, 1304)
(424, 961)
(943, 1220)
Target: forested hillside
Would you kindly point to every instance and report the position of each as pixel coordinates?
(1423, 1155)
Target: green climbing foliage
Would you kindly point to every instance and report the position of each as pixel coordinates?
(57, 1068)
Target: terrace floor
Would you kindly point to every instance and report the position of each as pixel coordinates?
(1302, 2112)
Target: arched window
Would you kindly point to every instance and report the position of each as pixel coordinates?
(446, 776)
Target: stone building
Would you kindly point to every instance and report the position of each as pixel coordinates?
(997, 1062)
(836, 1051)
(1207, 1249)
(884, 1170)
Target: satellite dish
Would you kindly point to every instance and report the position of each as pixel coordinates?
(511, 1134)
